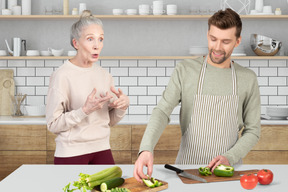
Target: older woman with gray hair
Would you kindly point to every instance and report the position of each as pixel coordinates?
(82, 102)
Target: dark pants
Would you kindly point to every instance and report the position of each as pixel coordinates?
(101, 157)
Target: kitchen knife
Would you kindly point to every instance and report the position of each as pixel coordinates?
(185, 174)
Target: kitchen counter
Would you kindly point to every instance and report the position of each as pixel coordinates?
(47, 178)
(127, 120)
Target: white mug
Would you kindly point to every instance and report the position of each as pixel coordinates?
(171, 9)
(267, 9)
(82, 7)
(157, 5)
(117, 11)
(144, 9)
(259, 5)
(158, 11)
(6, 12)
(131, 11)
(16, 10)
(144, 12)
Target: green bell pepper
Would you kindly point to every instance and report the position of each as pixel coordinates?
(223, 171)
(205, 171)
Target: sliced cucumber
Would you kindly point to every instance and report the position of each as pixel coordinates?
(112, 183)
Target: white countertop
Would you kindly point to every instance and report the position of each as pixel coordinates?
(127, 120)
(52, 178)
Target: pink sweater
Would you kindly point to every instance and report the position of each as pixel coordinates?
(78, 133)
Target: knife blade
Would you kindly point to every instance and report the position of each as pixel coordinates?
(184, 174)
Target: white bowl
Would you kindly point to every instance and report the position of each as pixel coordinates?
(198, 50)
(3, 53)
(277, 112)
(45, 53)
(72, 53)
(56, 52)
(32, 53)
(35, 110)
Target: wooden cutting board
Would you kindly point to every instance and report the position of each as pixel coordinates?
(7, 88)
(134, 186)
(237, 175)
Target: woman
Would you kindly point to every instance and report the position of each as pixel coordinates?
(82, 102)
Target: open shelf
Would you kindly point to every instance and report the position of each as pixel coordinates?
(180, 17)
(138, 57)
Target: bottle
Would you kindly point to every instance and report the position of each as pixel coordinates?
(65, 7)
(278, 11)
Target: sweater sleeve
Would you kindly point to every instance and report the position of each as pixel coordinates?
(252, 126)
(161, 113)
(59, 119)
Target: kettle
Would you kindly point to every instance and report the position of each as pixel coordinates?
(17, 44)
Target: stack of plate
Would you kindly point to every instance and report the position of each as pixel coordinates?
(277, 112)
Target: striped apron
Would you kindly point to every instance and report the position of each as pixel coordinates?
(213, 129)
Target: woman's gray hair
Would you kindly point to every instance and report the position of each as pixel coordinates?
(86, 19)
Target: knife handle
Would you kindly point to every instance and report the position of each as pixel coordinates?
(167, 166)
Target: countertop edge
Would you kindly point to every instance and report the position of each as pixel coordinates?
(127, 120)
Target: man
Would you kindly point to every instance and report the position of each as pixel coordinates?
(218, 97)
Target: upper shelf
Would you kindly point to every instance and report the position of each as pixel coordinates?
(139, 57)
(177, 17)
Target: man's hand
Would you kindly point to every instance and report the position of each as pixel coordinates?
(217, 161)
(144, 159)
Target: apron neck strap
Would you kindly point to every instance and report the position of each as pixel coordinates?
(202, 77)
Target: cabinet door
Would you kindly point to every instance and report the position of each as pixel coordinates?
(21, 144)
(22, 137)
(272, 147)
(167, 147)
(120, 141)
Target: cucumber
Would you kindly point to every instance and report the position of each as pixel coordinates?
(112, 183)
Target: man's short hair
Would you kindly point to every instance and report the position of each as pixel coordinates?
(225, 19)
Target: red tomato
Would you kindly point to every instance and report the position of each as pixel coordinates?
(265, 176)
(249, 181)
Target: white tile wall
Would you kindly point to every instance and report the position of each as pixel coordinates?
(144, 80)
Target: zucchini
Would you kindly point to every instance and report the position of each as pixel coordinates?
(112, 183)
(104, 175)
(119, 190)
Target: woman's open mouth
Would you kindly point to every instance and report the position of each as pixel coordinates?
(95, 56)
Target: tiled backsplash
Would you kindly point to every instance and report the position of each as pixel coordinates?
(144, 80)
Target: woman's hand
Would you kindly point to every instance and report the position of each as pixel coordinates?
(94, 103)
(122, 102)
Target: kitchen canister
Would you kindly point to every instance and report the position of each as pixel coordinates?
(11, 3)
(65, 7)
(16, 10)
(26, 7)
(2, 5)
(82, 7)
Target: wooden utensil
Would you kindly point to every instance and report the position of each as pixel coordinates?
(134, 186)
(7, 88)
(237, 175)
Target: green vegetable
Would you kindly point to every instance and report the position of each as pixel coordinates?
(112, 183)
(205, 171)
(88, 182)
(119, 190)
(224, 171)
(102, 176)
(152, 182)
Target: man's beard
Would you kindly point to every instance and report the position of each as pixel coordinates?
(224, 58)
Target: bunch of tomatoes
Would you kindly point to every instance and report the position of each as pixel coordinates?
(249, 181)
